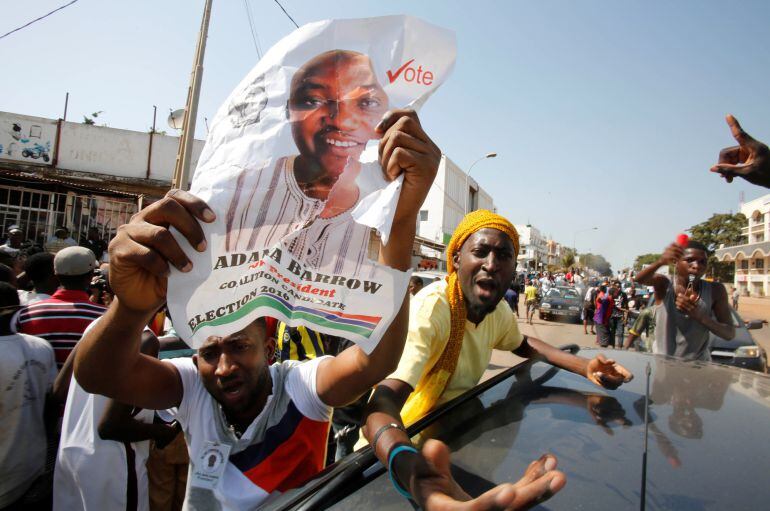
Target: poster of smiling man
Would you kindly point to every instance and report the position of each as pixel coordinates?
(291, 168)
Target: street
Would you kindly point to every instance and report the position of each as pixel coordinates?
(561, 333)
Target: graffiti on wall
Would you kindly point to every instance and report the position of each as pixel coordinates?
(26, 139)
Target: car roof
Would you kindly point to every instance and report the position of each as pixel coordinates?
(699, 450)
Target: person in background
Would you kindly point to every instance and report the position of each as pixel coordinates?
(7, 274)
(27, 374)
(14, 244)
(750, 159)
(415, 284)
(589, 309)
(736, 297)
(62, 318)
(530, 294)
(604, 305)
(40, 272)
(298, 343)
(693, 308)
(618, 317)
(95, 243)
(61, 239)
(512, 297)
(104, 446)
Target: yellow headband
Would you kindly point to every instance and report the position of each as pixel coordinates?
(475, 221)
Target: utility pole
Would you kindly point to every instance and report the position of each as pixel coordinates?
(184, 154)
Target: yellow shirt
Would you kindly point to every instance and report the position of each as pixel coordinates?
(530, 292)
(429, 333)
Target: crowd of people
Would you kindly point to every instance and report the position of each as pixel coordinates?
(91, 417)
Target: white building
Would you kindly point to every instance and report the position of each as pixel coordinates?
(533, 248)
(58, 173)
(752, 258)
(452, 192)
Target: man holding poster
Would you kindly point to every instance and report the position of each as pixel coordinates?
(303, 204)
(254, 429)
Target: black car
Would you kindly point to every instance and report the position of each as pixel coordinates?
(561, 302)
(742, 350)
(701, 454)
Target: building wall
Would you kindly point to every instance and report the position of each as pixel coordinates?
(94, 149)
(444, 206)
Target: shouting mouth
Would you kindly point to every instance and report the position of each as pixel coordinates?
(486, 288)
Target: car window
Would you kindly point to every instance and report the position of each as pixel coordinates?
(553, 293)
(571, 294)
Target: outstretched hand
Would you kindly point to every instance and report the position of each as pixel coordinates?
(434, 489)
(607, 373)
(750, 159)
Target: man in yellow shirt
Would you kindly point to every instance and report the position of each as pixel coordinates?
(530, 293)
(453, 327)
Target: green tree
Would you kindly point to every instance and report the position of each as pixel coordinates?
(720, 229)
(644, 259)
(568, 258)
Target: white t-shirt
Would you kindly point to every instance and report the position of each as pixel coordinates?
(91, 473)
(27, 373)
(283, 447)
(30, 297)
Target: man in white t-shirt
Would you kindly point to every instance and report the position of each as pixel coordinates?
(27, 373)
(253, 430)
(104, 446)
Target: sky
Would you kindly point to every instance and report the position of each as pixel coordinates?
(603, 113)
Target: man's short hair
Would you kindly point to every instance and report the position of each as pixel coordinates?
(697, 245)
(9, 297)
(39, 267)
(417, 281)
(6, 274)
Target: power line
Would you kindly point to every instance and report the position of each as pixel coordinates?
(251, 26)
(286, 13)
(37, 19)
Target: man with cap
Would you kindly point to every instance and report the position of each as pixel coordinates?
(62, 319)
(454, 325)
(60, 239)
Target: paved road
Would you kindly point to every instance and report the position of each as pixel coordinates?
(560, 333)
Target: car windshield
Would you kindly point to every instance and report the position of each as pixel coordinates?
(562, 292)
(598, 437)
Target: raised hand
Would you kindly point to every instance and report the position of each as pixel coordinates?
(434, 489)
(607, 373)
(406, 148)
(750, 159)
(141, 252)
(672, 254)
(687, 303)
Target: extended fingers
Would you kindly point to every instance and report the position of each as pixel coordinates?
(740, 136)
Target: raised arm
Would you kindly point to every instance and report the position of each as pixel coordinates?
(108, 361)
(648, 275)
(404, 149)
(599, 370)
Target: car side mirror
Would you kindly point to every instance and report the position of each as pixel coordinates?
(754, 324)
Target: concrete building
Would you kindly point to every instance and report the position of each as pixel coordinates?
(57, 173)
(533, 249)
(752, 258)
(452, 191)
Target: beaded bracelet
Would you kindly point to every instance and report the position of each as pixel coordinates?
(391, 456)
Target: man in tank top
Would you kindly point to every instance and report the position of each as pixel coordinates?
(692, 308)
